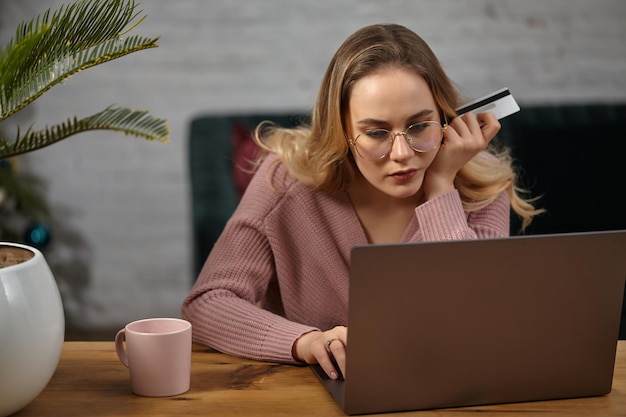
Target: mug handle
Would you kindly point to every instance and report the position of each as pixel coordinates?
(119, 347)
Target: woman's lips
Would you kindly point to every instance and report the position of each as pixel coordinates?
(403, 176)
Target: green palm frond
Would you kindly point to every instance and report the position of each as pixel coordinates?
(48, 49)
(130, 122)
(35, 82)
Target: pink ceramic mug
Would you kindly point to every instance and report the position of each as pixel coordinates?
(157, 354)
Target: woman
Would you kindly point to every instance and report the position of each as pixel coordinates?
(385, 159)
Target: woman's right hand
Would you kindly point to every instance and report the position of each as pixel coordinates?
(465, 137)
(326, 348)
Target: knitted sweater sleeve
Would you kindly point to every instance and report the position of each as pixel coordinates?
(223, 304)
(444, 219)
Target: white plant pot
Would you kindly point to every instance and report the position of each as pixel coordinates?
(32, 329)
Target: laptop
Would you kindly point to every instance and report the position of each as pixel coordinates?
(463, 323)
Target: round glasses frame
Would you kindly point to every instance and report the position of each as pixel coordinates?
(392, 137)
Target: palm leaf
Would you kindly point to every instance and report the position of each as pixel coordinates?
(34, 83)
(47, 50)
(130, 122)
(50, 48)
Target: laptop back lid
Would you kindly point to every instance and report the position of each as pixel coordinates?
(459, 323)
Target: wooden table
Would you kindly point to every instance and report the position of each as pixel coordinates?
(91, 381)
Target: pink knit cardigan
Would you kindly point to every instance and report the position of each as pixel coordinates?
(287, 248)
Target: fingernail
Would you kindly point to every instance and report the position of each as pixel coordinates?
(333, 375)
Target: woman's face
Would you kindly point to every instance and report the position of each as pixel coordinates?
(392, 98)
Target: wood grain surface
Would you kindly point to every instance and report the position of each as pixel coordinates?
(90, 381)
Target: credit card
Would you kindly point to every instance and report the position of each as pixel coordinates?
(501, 103)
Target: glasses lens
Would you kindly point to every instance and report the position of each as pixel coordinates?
(373, 144)
(424, 136)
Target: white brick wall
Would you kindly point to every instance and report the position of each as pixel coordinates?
(129, 199)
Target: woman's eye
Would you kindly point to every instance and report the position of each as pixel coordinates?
(417, 128)
(381, 134)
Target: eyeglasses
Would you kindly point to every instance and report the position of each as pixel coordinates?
(421, 137)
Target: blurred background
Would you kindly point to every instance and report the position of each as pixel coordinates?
(122, 206)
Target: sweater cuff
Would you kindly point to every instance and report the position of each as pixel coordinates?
(278, 343)
(442, 218)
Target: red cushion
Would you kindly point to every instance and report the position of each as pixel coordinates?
(245, 151)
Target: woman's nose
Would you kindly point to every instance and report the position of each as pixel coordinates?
(400, 148)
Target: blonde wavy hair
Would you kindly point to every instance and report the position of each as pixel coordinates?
(318, 154)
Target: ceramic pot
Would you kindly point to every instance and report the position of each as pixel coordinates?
(32, 326)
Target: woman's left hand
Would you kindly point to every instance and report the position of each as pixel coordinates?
(465, 137)
(326, 348)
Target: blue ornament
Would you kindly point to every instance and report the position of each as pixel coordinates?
(37, 235)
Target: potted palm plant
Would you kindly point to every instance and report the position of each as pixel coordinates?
(44, 52)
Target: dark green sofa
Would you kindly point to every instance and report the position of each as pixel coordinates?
(214, 192)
